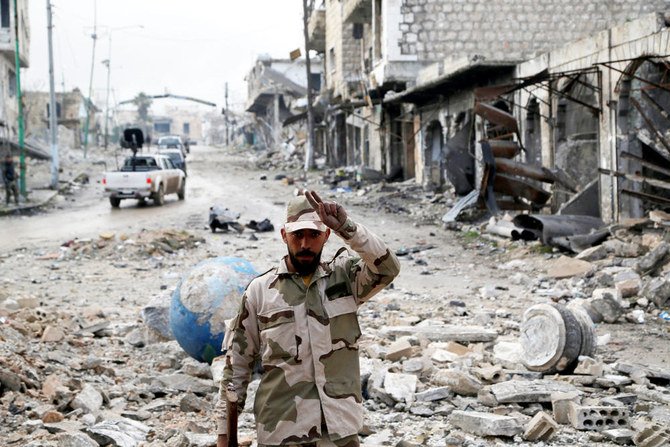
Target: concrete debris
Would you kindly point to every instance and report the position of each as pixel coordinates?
(526, 391)
(561, 403)
(541, 428)
(566, 267)
(598, 418)
(485, 424)
(444, 333)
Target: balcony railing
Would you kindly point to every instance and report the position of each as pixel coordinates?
(357, 11)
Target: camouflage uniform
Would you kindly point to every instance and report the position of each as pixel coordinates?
(307, 340)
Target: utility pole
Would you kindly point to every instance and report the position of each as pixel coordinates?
(107, 63)
(309, 152)
(53, 108)
(90, 83)
(17, 63)
(226, 118)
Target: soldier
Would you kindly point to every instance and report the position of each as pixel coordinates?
(9, 179)
(300, 320)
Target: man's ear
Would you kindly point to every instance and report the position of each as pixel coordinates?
(283, 235)
(327, 235)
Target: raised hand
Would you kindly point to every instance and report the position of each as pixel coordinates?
(331, 213)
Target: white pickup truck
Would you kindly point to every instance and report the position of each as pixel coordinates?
(145, 176)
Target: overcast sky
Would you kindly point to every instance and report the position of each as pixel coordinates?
(188, 48)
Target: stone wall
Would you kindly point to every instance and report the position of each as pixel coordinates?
(342, 59)
(511, 30)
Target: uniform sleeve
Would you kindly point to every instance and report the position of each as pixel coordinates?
(377, 266)
(242, 347)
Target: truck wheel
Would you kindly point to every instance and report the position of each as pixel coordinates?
(115, 202)
(182, 191)
(159, 197)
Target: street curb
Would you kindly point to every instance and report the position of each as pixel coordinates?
(4, 211)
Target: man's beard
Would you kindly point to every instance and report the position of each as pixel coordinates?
(305, 268)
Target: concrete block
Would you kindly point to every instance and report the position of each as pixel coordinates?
(613, 381)
(593, 254)
(652, 435)
(541, 428)
(598, 418)
(485, 424)
(560, 404)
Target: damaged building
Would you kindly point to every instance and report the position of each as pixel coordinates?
(277, 91)
(521, 109)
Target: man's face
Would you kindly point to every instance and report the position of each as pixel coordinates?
(304, 249)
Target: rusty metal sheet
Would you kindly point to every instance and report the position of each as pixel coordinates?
(497, 116)
(548, 227)
(504, 149)
(519, 188)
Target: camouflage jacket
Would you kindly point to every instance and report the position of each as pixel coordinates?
(307, 340)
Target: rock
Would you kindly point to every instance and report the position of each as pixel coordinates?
(593, 254)
(589, 367)
(628, 287)
(622, 436)
(607, 304)
(433, 394)
(401, 387)
(485, 424)
(459, 382)
(654, 260)
(566, 267)
(75, 439)
(52, 416)
(190, 403)
(443, 356)
(657, 291)
(89, 399)
(183, 382)
(121, 432)
(52, 334)
(623, 249)
(398, 349)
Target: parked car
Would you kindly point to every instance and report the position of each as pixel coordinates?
(176, 156)
(172, 142)
(145, 176)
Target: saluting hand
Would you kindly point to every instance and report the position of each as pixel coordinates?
(332, 214)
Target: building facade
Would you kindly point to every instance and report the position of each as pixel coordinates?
(8, 86)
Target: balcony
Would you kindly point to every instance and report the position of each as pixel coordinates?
(316, 30)
(357, 11)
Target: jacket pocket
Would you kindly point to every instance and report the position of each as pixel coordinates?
(343, 320)
(278, 336)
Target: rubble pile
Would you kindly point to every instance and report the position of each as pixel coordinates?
(432, 372)
(123, 247)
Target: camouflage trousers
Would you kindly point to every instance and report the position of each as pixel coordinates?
(349, 441)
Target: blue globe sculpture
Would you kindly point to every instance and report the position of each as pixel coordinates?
(205, 298)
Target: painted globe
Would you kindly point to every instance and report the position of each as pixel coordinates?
(208, 295)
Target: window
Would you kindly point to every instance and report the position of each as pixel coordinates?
(187, 128)
(58, 111)
(162, 127)
(4, 13)
(331, 59)
(11, 76)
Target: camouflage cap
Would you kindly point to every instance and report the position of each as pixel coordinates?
(300, 216)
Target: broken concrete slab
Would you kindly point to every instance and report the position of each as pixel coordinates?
(531, 391)
(621, 436)
(433, 394)
(593, 254)
(469, 334)
(485, 424)
(398, 349)
(460, 382)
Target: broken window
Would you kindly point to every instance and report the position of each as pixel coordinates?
(4, 13)
(643, 138)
